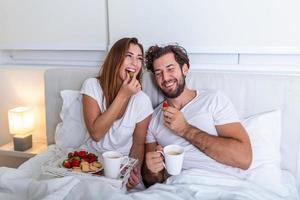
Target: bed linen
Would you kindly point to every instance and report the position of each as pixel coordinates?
(275, 91)
(28, 182)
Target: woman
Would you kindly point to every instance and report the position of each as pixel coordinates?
(116, 111)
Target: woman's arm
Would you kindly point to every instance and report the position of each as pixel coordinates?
(138, 145)
(137, 151)
(97, 122)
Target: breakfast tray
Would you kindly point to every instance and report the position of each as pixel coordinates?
(54, 168)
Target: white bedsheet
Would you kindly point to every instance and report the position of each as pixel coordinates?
(28, 182)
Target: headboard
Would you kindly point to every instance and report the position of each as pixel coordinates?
(58, 79)
(250, 92)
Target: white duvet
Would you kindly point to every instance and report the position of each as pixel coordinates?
(28, 182)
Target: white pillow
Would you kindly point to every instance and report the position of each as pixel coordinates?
(264, 130)
(71, 132)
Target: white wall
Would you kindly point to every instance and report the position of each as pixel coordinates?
(219, 35)
(202, 26)
(53, 24)
(21, 86)
(248, 26)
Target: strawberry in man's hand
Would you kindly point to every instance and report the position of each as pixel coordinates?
(165, 104)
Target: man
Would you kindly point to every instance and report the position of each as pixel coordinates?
(204, 122)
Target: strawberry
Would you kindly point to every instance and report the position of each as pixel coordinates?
(75, 163)
(90, 155)
(165, 104)
(82, 154)
(75, 153)
(70, 155)
(92, 159)
(67, 164)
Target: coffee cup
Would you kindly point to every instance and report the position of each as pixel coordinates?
(173, 158)
(112, 163)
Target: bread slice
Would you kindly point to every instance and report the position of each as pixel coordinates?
(96, 164)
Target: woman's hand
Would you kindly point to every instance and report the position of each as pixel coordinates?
(134, 179)
(130, 86)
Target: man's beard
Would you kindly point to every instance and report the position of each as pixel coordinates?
(179, 89)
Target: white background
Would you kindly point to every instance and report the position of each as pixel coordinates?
(245, 35)
(53, 24)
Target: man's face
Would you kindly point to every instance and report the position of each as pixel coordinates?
(169, 76)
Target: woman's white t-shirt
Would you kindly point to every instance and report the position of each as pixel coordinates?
(119, 136)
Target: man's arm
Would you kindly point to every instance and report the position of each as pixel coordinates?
(153, 168)
(231, 146)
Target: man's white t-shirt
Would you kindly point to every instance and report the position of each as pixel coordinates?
(119, 136)
(208, 109)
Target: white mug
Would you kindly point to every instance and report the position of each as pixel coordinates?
(112, 162)
(173, 158)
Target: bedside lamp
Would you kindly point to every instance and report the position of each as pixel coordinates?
(21, 123)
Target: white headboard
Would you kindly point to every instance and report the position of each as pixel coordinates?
(250, 92)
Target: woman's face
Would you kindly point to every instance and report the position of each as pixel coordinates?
(132, 62)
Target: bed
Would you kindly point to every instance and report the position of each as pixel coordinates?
(269, 106)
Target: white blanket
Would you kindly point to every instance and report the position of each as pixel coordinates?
(27, 182)
(192, 184)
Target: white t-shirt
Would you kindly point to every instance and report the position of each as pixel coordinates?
(208, 109)
(119, 136)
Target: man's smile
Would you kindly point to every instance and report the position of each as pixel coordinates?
(169, 84)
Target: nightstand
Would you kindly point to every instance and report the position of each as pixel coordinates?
(11, 158)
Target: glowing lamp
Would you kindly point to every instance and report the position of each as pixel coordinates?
(21, 124)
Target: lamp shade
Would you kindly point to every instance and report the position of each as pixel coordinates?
(21, 120)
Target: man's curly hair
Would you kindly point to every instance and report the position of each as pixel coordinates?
(155, 52)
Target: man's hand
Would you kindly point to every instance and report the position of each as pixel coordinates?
(130, 86)
(134, 179)
(154, 161)
(175, 120)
